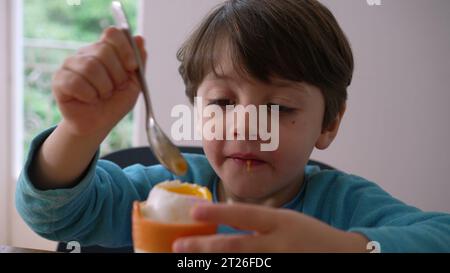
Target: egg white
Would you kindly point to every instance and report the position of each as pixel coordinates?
(170, 207)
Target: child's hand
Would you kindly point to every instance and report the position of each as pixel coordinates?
(276, 230)
(97, 87)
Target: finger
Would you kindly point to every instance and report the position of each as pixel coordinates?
(93, 71)
(135, 81)
(106, 54)
(246, 217)
(68, 85)
(220, 244)
(140, 42)
(119, 41)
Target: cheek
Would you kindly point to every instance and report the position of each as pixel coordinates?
(297, 140)
(213, 148)
(213, 151)
(302, 129)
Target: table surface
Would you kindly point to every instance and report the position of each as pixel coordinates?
(10, 249)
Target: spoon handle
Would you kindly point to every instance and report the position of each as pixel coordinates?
(165, 151)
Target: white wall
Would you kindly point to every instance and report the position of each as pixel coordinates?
(165, 25)
(4, 137)
(396, 128)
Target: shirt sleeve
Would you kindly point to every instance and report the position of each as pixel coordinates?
(95, 212)
(357, 205)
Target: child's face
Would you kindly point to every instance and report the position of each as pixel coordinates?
(278, 175)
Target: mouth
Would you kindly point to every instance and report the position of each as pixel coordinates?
(247, 160)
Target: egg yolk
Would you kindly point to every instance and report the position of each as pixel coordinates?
(188, 189)
(181, 166)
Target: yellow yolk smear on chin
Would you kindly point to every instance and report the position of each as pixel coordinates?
(187, 189)
(249, 165)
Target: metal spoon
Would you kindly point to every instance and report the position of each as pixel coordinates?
(165, 151)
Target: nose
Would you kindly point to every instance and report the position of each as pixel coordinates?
(243, 122)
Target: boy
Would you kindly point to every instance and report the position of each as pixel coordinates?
(291, 54)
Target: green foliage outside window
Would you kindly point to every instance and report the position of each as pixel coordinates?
(54, 30)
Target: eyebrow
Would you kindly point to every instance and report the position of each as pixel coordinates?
(298, 86)
(285, 83)
(275, 82)
(225, 77)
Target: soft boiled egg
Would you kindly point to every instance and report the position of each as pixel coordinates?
(172, 201)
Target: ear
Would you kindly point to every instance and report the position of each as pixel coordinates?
(328, 134)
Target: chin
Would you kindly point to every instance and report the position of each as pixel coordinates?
(245, 190)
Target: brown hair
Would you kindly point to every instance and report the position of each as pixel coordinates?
(296, 40)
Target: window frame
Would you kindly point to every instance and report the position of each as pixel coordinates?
(11, 106)
(138, 138)
(12, 111)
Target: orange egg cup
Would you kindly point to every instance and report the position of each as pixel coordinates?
(157, 237)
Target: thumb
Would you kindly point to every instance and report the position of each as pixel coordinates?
(241, 216)
(140, 42)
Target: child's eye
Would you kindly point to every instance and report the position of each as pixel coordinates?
(221, 102)
(281, 108)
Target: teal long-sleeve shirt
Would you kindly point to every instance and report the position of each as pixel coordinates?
(98, 210)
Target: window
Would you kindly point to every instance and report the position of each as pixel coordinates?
(53, 30)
